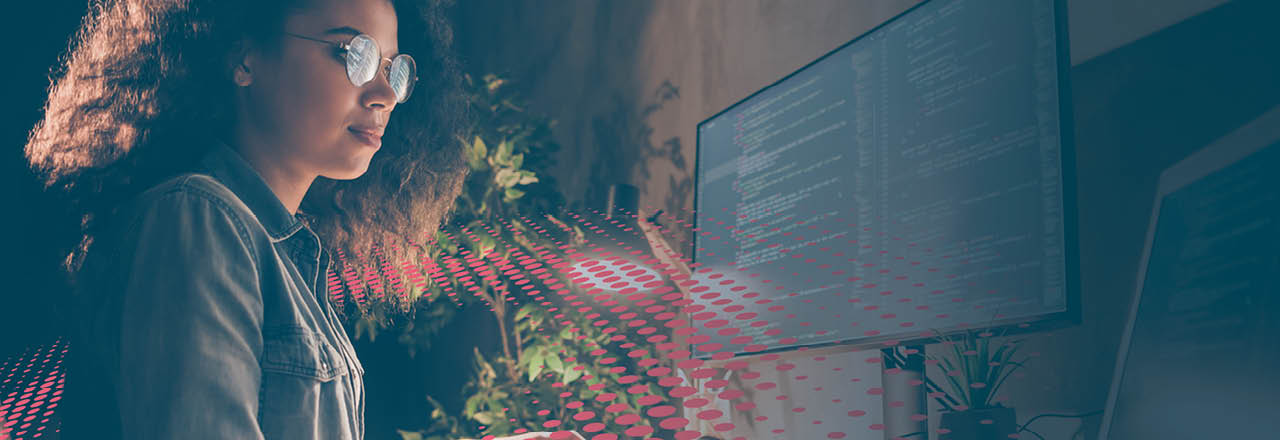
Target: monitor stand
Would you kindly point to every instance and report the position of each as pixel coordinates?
(902, 376)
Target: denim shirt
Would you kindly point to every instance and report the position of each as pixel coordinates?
(205, 314)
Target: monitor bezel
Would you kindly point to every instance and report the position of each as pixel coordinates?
(1040, 323)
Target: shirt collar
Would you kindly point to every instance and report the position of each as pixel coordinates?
(231, 169)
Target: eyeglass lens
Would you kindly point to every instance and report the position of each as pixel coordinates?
(364, 58)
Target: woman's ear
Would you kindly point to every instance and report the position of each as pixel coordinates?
(240, 61)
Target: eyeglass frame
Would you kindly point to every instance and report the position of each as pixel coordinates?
(346, 47)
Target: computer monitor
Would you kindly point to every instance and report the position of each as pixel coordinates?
(1201, 349)
(918, 178)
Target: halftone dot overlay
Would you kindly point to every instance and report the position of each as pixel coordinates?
(741, 385)
(634, 294)
(31, 386)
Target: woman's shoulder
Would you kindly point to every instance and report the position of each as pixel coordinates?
(192, 188)
(193, 184)
(178, 212)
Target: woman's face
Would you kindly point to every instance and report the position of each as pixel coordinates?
(300, 102)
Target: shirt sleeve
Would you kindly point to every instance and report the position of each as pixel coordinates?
(191, 323)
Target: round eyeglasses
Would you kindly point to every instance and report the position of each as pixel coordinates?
(364, 59)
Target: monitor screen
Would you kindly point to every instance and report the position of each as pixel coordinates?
(915, 179)
(1204, 344)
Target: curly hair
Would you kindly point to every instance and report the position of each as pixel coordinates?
(144, 84)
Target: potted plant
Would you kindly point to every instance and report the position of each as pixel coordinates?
(974, 368)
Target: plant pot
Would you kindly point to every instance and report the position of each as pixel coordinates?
(978, 424)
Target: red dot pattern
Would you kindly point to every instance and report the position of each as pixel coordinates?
(686, 391)
(31, 386)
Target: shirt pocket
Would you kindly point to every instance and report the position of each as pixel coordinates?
(299, 384)
(300, 352)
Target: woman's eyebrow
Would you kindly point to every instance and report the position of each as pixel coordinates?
(344, 30)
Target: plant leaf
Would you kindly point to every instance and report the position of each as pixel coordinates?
(476, 154)
(960, 392)
(571, 375)
(503, 155)
(473, 405)
(1007, 373)
(511, 194)
(1003, 357)
(492, 83)
(554, 363)
(527, 177)
(409, 435)
(535, 367)
(506, 177)
(487, 373)
(522, 313)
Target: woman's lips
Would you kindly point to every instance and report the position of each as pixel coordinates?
(366, 138)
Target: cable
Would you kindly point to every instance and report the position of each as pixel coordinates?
(1065, 416)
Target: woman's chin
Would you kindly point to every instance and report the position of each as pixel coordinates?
(350, 172)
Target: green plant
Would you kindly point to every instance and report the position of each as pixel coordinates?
(509, 153)
(545, 360)
(443, 426)
(973, 370)
(554, 371)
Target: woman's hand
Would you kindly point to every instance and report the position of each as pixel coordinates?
(540, 436)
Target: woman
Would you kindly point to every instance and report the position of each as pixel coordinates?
(218, 152)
